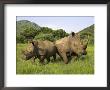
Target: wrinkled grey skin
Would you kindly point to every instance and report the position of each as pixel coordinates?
(69, 46)
(41, 50)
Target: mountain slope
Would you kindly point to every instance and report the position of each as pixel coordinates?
(25, 24)
(89, 31)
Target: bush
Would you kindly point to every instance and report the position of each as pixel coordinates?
(60, 33)
(44, 37)
(20, 39)
(29, 33)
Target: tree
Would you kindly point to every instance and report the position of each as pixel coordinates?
(29, 33)
(20, 39)
(60, 33)
(42, 36)
(46, 30)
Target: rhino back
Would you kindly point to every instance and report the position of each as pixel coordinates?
(48, 47)
(63, 44)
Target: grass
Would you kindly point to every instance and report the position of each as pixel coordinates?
(79, 66)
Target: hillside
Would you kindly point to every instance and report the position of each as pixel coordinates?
(89, 31)
(27, 30)
(25, 24)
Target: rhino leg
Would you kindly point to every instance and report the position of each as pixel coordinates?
(48, 59)
(54, 57)
(42, 59)
(63, 55)
(33, 60)
(58, 52)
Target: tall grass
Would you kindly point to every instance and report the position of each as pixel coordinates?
(75, 66)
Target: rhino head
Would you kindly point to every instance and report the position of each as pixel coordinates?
(27, 55)
(78, 47)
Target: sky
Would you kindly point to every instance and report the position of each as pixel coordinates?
(67, 23)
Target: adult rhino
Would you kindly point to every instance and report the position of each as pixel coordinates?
(42, 50)
(72, 45)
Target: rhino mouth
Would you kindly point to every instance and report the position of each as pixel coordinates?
(82, 55)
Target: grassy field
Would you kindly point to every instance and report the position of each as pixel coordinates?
(75, 66)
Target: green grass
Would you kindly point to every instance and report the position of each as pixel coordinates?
(75, 66)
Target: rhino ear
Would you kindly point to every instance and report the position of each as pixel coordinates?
(73, 33)
(34, 42)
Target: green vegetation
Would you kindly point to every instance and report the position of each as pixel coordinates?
(28, 30)
(89, 31)
(75, 66)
